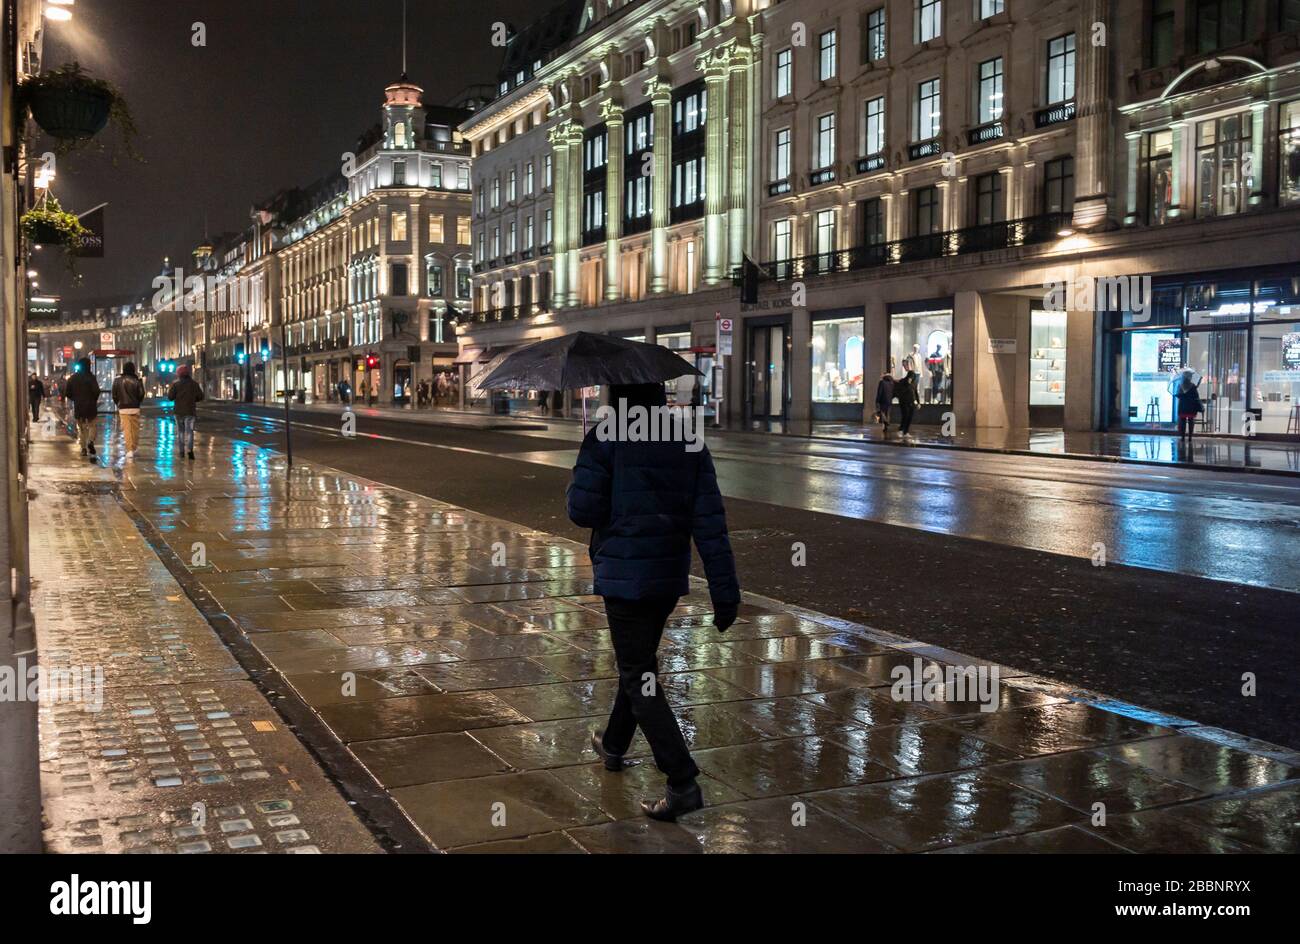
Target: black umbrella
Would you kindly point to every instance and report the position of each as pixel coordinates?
(583, 359)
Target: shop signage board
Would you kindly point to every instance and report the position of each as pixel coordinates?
(1002, 346)
(1170, 355)
(1291, 351)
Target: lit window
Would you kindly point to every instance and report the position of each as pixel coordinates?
(826, 60)
(397, 226)
(929, 110)
(990, 91)
(874, 48)
(784, 70)
(1060, 69)
(824, 142)
(874, 142)
(781, 155)
(929, 20)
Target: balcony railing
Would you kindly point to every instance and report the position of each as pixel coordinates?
(1054, 114)
(993, 236)
(508, 313)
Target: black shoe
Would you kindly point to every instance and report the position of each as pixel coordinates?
(614, 762)
(675, 803)
(190, 455)
(90, 449)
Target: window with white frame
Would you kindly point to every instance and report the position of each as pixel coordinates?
(928, 119)
(824, 142)
(873, 141)
(528, 179)
(928, 19)
(989, 8)
(990, 90)
(784, 77)
(547, 228)
(1060, 69)
(496, 192)
(826, 55)
(548, 175)
(462, 177)
(781, 155)
(528, 232)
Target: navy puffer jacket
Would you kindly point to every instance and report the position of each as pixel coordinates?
(644, 502)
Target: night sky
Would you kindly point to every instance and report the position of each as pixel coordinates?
(280, 91)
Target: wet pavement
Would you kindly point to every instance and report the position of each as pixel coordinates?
(159, 741)
(461, 659)
(1026, 591)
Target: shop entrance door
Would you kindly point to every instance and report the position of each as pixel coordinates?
(768, 377)
(1220, 358)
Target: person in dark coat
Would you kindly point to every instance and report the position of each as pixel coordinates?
(83, 390)
(909, 398)
(1187, 399)
(885, 400)
(645, 502)
(185, 395)
(35, 394)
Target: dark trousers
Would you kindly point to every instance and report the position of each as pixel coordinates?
(36, 411)
(1186, 426)
(636, 627)
(908, 412)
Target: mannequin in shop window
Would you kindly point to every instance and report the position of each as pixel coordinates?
(937, 364)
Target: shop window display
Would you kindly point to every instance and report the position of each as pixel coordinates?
(1289, 156)
(1275, 394)
(837, 347)
(1160, 176)
(1047, 358)
(921, 341)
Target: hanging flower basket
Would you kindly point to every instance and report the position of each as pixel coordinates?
(48, 224)
(71, 113)
(72, 107)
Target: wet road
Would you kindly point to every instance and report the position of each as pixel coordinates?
(990, 555)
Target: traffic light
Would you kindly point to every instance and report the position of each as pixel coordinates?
(372, 361)
(240, 356)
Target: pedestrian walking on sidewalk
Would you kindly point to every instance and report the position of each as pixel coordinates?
(884, 400)
(345, 392)
(644, 502)
(185, 395)
(909, 398)
(128, 394)
(83, 390)
(35, 394)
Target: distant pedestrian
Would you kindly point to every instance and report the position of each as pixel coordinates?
(1189, 407)
(345, 392)
(83, 390)
(544, 400)
(909, 398)
(185, 395)
(884, 400)
(35, 394)
(128, 395)
(644, 502)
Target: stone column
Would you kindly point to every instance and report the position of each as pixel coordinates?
(1092, 121)
(612, 113)
(1179, 161)
(1028, 184)
(1010, 195)
(660, 93)
(1258, 111)
(574, 214)
(714, 66)
(559, 140)
(738, 187)
(1134, 139)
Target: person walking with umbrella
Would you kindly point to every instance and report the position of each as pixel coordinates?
(645, 502)
(1187, 401)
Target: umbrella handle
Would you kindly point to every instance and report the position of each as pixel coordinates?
(583, 394)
